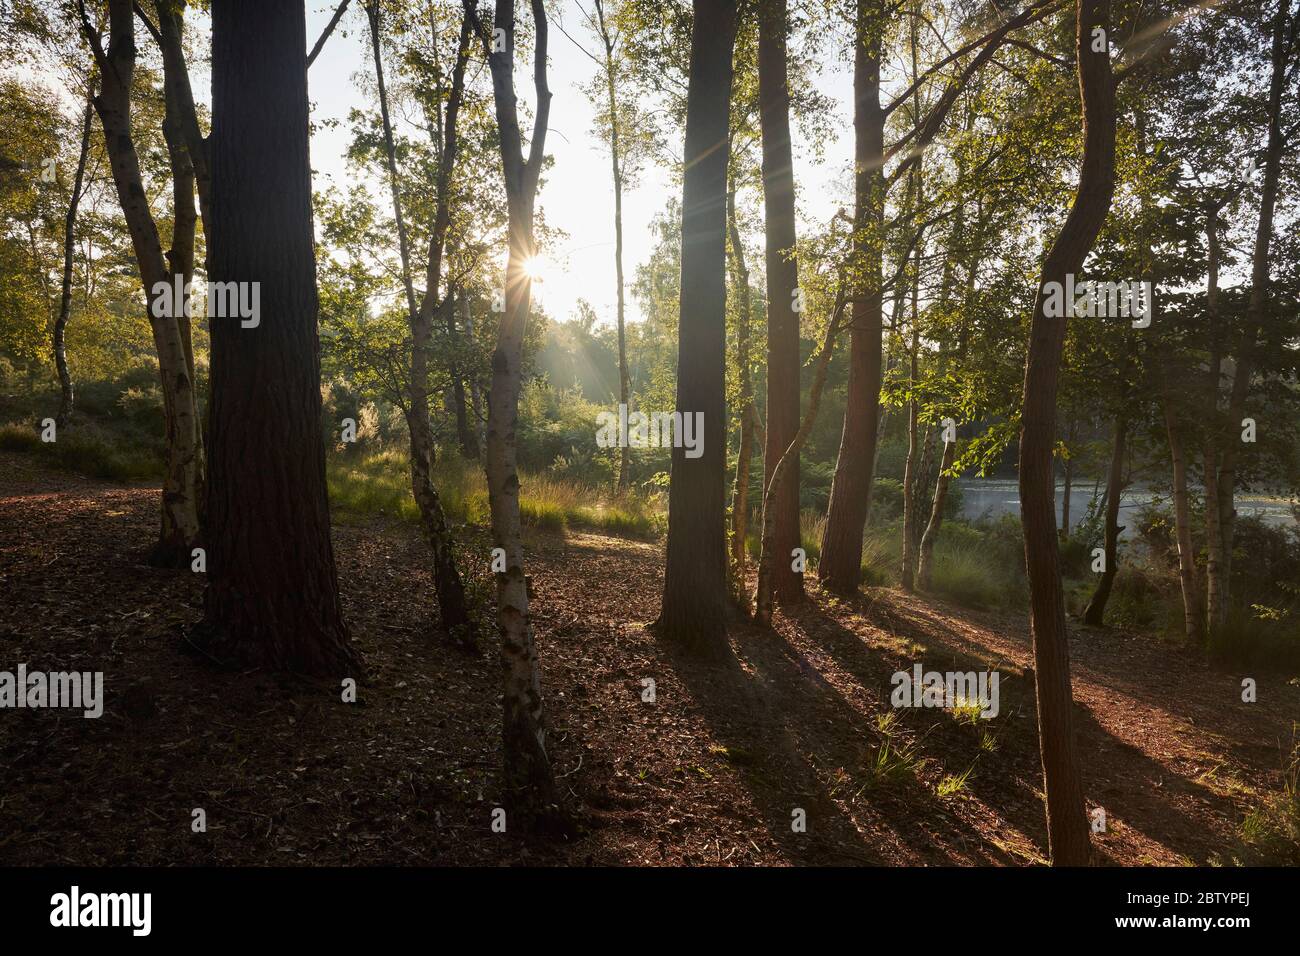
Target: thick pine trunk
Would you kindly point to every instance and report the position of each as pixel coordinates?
(1095, 613)
(66, 396)
(840, 565)
(1067, 827)
(783, 360)
(694, 605)
(272, 596)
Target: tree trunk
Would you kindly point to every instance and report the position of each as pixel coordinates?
(64, 414)
(181, 483)
(615, 158)
(1068, 483)
(695, 575)
(528, 779)
(180, 97)
(1192, 610)
(1095, 612)
(770, 555)
(840, 565)
(1256, 308)
(1067, 827)
(925, 568)
(1215, 611)
(748, 413)
(783, 359)
(272, 597)
(906, 579)
(466, 435)
(433, 522)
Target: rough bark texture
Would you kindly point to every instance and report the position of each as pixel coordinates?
(272, 596)
(1067, 826)
(783, 359)
(66, 396)
(181, 483)
(694, 605)
(840, 565)
(528, 779)
(1095, 612)
(771, 556)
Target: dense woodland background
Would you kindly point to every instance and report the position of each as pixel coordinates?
(395, 476)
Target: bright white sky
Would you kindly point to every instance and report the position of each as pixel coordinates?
(578, 193)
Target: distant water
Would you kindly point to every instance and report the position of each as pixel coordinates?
(994, 497)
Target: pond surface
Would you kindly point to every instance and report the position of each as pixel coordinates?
(994, 497)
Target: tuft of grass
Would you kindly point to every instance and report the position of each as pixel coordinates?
(894, 760)
(1271, 831)
(379, 483)
(86, 448)
(967, 711)
(951, 784)
(19, 438)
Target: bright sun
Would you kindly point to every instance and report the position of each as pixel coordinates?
(535, 268)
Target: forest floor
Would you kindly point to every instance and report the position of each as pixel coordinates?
(710, 773)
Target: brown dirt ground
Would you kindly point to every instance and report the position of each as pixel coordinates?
(708, 774)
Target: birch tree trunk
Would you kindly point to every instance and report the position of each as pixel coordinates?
(433, 521)
(180, 527)
(528, 778)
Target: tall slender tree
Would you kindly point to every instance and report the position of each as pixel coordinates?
(694, 605)
(1067, 827)
(182, 482)
(420, 316)
(529, 779)
(783, 297)
(840, 564)
(66, 394)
